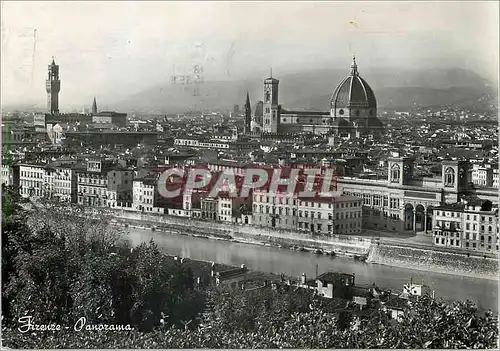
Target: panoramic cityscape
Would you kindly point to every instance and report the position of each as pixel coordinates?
(344, 197)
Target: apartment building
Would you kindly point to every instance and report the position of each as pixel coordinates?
(209, 208)
(145, 194)
(482, 175)
(64, 182)
(229, 208)
(32, 180)
(337, 215)
(7, 174)
(469, 225)
(103, 183)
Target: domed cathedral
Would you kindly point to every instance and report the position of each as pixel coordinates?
(353, 112)
(353, 107)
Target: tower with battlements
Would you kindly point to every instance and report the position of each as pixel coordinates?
(53, 86)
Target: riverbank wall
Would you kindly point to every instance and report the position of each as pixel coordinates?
(435, 261)
(425, 259)
(341, 244)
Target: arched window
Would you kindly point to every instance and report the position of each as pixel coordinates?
(395, 173)
(449, 177)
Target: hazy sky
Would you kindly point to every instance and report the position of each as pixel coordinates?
(113, 49)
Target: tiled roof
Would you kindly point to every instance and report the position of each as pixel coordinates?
(396, 302)
(232, 273)
(333, 276)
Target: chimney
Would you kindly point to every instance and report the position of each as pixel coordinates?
(303, 279)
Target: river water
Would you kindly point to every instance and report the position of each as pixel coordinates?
(483, 292)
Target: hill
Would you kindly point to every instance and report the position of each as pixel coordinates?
(312, 90)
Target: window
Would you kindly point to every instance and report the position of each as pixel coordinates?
(395, 173)
(449, 177)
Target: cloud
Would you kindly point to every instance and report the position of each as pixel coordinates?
(117, 48)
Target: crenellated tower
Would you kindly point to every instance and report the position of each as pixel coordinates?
(53, 86)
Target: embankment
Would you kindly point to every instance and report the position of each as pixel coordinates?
(426, 259)
(433, 260)
(341, 244)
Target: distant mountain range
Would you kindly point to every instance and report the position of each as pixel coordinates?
(311, 90)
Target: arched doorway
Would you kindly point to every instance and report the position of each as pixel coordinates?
(408, 217)
(429, 214)
(419, 218)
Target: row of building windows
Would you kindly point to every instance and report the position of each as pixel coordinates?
(468, 226)
(319, 226)
(28, 174)
(468, 236)
(468, 216)
(288, 201)
(456, 243)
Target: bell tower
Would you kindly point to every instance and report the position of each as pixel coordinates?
(248, 115)
(400, 169)
(53, 86)
(270, 118)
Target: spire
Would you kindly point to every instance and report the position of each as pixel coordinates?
(248, 115)
(53, 62)
(271, 69)
(94, 106)
(354, 67)
(248, 100)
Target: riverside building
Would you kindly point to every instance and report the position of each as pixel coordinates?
(404, 202)
(469, 225)
(326, 216)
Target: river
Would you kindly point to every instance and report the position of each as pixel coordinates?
(483, 292)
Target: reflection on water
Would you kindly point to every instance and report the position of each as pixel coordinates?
(271, 259)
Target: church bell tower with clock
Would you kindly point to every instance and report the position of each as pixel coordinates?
(270, 116)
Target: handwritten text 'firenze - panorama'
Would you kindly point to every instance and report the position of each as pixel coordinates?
(27, 325)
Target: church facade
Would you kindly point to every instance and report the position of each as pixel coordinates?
(352, 112)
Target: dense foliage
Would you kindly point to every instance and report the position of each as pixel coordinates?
(58, 267)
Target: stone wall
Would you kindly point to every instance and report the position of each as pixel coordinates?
(338, 243)
(393, 255)
(433, 260)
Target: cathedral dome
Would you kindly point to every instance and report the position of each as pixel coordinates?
(353, 92)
